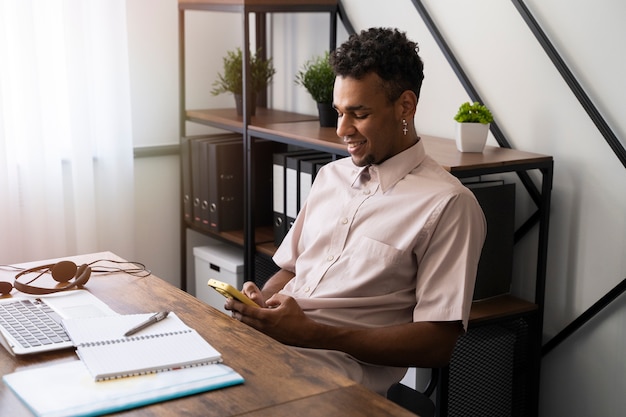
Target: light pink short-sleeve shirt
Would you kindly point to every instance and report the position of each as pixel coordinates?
(384, 245)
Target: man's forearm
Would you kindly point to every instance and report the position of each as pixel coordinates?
(425, 344)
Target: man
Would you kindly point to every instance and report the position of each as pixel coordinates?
(378, 270)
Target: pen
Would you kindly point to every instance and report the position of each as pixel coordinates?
(153, 319)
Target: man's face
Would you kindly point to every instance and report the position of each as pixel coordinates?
(369, 124)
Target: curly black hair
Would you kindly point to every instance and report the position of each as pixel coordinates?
(386, 52)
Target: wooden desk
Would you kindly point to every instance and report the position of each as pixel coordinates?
(278, 380)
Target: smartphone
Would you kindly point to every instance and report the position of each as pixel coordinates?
(229, 291)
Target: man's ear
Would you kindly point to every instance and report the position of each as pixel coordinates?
(406, 104)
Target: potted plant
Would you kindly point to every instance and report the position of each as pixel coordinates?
(261, 73)
(472, 127)
(317, 76)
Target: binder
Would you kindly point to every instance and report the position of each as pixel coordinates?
(278, 197)
(199, 201)
(185, 156)
(202, 172)
(495, 266)
(279, 193)
(292, 184)
(308, 171)
(225, 202)
(262, 166)
(197, 158)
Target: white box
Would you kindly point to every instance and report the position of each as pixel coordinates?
(221, 262)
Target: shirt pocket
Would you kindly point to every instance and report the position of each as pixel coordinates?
(378, 268)
(377, 252)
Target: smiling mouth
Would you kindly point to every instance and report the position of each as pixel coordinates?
(354, 145)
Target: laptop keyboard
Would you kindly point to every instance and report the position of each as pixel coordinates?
(32, 323)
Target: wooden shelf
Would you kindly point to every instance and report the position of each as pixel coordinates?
(263, 237)
(228, 118)
(305, 133)
(492, 159)
(499, 307)
(260, 5)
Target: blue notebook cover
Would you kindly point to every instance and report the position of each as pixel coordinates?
(68, 389)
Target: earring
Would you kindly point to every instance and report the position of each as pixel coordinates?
(404, 127)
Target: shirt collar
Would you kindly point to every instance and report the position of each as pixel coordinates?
(398, 166)
(356, 175)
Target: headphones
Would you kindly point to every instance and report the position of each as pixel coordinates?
(62, 272)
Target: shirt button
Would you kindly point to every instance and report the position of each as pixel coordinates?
(330, 258)
(307, 289)
(344, 221)
(366, 192)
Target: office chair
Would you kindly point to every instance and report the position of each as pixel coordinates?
(415, 401)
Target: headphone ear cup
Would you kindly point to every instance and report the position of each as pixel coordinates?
(5, 287)
(82, 276)
(64, 271)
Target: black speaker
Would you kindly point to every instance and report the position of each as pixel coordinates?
(490, 369)
(264, 268)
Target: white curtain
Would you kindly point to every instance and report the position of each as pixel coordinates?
(66, 162)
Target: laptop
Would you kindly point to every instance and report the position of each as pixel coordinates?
(32, 324)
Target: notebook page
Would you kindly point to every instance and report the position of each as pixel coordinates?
(145, 354)
(167, 344)
(100, 329)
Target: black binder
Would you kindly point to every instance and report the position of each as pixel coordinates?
(292, 184)
(197, 161)
(279, 172)
(308, 171)
(262, 166)
(495, 267)
(185, 153)
(225, 202)
(199, 173)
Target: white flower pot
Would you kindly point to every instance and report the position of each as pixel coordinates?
(471, 137)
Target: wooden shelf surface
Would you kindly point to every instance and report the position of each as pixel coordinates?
(262, 2)
(308, 133)
(498, 307)
(229, 119)
(262, 235)
(444, 151)
(259, 5)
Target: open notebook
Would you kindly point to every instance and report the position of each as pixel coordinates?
(68, 389)
(166, 345)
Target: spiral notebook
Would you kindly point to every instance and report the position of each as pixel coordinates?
(167, 345)
(67, 389)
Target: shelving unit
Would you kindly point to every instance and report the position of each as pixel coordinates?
(227, 119)
(304, 131)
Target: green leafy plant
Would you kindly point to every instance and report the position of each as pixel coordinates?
(261, 73)
(473, 113)
(317, 76)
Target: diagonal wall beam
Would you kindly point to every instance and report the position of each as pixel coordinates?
(571, 81)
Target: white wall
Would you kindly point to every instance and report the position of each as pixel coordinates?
(531, 103)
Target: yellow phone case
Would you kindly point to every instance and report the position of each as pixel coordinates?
(229, 291)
